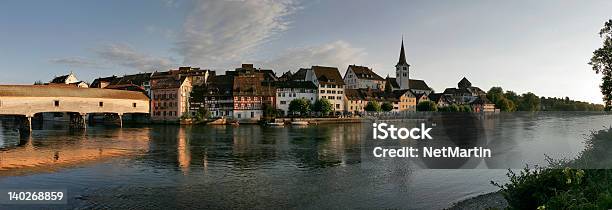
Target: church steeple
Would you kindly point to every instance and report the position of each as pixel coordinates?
(402, 58)
(402, 70)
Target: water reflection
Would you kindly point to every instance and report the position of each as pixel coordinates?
(289, 167)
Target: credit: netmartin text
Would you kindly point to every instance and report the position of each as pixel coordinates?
(382, 131)
(444, 152)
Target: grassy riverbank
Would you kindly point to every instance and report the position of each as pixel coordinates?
(581, 183)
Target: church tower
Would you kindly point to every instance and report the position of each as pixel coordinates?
(402, 70)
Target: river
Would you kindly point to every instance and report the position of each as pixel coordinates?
(250, 166)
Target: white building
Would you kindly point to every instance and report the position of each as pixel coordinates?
(286, 91)
(361, 77)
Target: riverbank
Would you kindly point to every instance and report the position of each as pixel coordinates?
(494, 200)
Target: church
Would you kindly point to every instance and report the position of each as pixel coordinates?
(402, 79)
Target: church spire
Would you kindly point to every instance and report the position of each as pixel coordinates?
(402, 58)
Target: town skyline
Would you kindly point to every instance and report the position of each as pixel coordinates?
(522, 46)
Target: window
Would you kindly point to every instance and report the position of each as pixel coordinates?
(164, 113)
(337, 106)
(405, 74)
(252, 114)
(56, 102)
(134, 105)
(283, 102)
(101, 104)
(322, 91)
(404, 68)
(239, 115)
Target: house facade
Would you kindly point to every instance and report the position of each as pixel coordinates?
(286, 91)
(357, 77)
(329, 84)
(170, 92)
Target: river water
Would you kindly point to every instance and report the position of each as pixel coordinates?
(250, 166)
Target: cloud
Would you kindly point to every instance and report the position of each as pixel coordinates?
(76, 62)
(126, 56)
(337, 54)
(217, 32)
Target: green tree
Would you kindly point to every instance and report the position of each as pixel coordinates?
(495, 94)
(505, 105)
(465, 108)
(387, 106)
(372, 106)
(425, 106)
(323, 106)
(388, 88)
(529, 102)
(602, 63)
(300, 105)
(202, 114)
(269, 110)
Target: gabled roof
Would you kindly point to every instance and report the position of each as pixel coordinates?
(464, 83)
(136, 79)
(391, 81)
(300, 75)
(60, 79)
(295, 84)
(328, 75)
(369, 95)
(416, 84)
(399, 93)
(168, 82)
(363, 72)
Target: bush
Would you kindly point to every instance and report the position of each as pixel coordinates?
(427, 106)
(372, 106)
(299, 105)
(323, 106)
(387, 106)
(562, 187)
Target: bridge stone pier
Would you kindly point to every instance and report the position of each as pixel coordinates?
(27, 100)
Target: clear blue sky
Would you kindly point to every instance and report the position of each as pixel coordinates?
(537, 46)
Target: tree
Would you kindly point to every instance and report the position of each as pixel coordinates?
(506, 105)
(387, 106)
(602, 63)
(529, 102)
(38, 82)
(425, 106)
(300, 105)
(372, 106)
(465, 108)
(269, 110)
(202, 114)
(323, 106)
(495, 94)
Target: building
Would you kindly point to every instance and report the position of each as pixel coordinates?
(402, 79)
(216, 96)
(286, 91)
(170, 91)
(482, 104)
(465, 93)
(135, 82)
(251, 95)
(406, 100)
(268, 74)
(68, 80)
(420, 97)
(440, 99)
(357, 99)
(357, 77)
(330, 85)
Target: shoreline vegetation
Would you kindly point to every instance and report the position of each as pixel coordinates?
(581, 183)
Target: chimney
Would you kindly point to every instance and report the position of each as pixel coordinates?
(247, 65)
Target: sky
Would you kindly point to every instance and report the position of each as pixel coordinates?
(526, 46)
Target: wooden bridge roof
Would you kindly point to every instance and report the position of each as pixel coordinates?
(63, 91)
